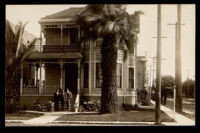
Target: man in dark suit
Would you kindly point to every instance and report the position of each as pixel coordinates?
(61, 98)
(56, 100)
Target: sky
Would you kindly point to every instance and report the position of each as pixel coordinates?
(147, 45)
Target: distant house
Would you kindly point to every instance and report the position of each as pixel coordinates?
(65, 64)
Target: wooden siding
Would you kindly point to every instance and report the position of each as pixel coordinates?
(52, 74)
(53, 36)
(140, 75)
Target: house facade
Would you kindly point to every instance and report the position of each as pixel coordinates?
(60, 62)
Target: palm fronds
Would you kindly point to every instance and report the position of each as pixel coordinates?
(16, 52)
(110, 18)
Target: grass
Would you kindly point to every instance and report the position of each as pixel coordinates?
(22, 116)
(125, 116)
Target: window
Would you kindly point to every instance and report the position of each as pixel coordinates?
(98, 75)
(119, 75)
(131, 78)
(73, 36)
(99, 42)
(86, 67)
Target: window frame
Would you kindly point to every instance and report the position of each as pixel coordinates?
(121, 85)
(96, 74)
(131, 78)
(84, 75)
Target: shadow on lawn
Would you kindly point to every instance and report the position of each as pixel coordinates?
(21, 115)
(142, 115)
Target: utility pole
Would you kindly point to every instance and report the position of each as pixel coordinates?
(188, 82)
(158, 69)
(153, 68)
(150, 79)
(178, 75)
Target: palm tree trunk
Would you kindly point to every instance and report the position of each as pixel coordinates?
(109, 98)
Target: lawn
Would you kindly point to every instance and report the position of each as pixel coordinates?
(125, 116)
(22, 116)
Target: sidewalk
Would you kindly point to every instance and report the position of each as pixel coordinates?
(181, 120)
(49, 119)
(186, 102)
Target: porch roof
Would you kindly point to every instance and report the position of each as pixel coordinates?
(68, 55)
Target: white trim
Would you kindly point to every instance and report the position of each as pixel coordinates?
(133, 77)
(55, 20)
(122, 80)
(94, 70)
(27, 95)
(121, 75)
(90, 64)
(118, 94)
(40, 81)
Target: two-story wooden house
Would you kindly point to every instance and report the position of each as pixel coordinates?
(61, 63)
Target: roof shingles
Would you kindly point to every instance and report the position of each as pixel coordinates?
(68, 13)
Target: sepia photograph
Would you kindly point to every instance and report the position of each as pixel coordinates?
(99, 65)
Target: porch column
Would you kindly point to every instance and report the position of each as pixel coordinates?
(40, 81)
(36, 73)
(21, 80)
(79, 32)
(90, 67)
(30, 76)
(32, 73)
(61, 74)
(61, 37)
(40, 38)
(77, 101)
(79, 75)
(135, 75)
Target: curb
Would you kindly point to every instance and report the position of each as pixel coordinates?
(115, 123)
(101, 122)
(15, 121)
(181, 119)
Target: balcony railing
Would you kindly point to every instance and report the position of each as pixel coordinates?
(56, 48)
(60, 48)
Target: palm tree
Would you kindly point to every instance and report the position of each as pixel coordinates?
(16, 52)
(116, 28)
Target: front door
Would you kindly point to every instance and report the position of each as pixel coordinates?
(71, 75)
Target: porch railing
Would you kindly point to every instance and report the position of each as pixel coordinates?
(56, 48)
(49, 90)
(30, 89)
(34, 90)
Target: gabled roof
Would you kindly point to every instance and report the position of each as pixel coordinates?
(68, 13)
(63, 16)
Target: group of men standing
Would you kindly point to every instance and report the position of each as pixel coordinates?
(62, 97)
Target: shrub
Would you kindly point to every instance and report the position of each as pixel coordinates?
(142, 97)
(91, 106)
(24, 107)
(128, 107)
(50, 106)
